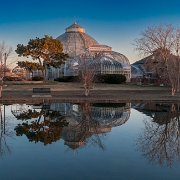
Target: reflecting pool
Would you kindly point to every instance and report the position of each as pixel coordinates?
(90, 141)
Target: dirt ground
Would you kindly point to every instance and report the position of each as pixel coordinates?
(100, 92)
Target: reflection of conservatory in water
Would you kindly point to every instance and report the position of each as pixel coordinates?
(83, 122)
(105, 115)
(76, 43)
(114, 115)
(89, 124)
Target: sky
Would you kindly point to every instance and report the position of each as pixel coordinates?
(116, 23)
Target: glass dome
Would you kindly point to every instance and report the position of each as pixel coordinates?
(112, 58)
(111, 63)
(75, 41)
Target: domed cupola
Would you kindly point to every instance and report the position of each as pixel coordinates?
(75, 41)
(75, 28)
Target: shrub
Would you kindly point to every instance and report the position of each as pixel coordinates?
(10, 78)
(111, 78)
(67, 79)
(109, 105)
(98, 78)
(37, 78)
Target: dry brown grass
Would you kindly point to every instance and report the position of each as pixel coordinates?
(101, 92)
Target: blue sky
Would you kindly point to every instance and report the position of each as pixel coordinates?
(113, 22)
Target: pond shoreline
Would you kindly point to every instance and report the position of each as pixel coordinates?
(77, 96)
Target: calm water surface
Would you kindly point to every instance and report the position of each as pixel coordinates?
(90, 141)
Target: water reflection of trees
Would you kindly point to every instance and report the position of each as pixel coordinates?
(160, 141)
(46, 128)
(30, 114)
(5, 132)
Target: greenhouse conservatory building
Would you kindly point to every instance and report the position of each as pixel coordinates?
(78, 44)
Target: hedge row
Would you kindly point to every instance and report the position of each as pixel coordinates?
(106, 78)
(68, 79)
(111, 78)
(37, 78)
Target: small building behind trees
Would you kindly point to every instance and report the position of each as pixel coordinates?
(20, 72)
(152, 68)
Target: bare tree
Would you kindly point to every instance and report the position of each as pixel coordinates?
(5, 52)
(87, 73)
(164, 40)
(160, 141)
(177, 60)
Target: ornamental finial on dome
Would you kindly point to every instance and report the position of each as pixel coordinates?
(75, 28)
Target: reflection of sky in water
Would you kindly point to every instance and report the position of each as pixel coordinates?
(119, 160)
